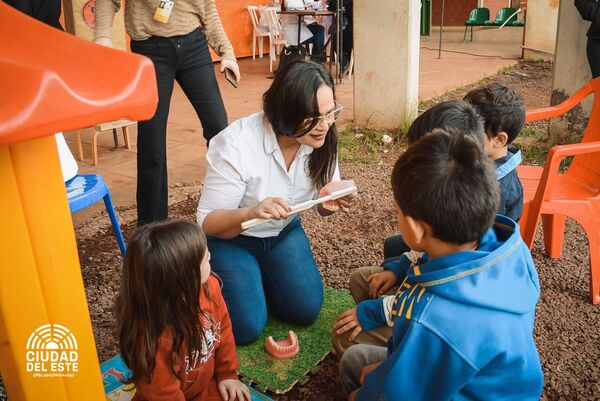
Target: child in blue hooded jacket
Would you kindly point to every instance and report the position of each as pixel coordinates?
(503, 113)
(463, 316)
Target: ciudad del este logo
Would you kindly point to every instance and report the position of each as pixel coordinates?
(52, 351)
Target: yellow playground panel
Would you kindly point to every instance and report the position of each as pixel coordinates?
(51, 81)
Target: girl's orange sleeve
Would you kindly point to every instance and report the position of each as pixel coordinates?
(164, 385)
(226, 361)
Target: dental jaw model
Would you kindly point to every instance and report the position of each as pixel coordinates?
(283, 349)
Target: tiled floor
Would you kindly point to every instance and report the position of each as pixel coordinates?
(492, 50)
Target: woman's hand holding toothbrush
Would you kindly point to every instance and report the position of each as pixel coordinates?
(270, 208)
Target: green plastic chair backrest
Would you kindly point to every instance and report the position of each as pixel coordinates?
(504, 13)
(479, 15)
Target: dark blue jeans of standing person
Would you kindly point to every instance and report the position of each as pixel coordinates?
(593, 55)
(278, 271)
(186, 59)
(394, 246)
(317, 40)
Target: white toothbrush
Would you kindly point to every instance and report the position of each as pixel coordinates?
(335, 190)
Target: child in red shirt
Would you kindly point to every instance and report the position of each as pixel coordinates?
(173, 325)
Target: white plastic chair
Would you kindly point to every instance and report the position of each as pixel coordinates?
(276, 37)
(259, 31)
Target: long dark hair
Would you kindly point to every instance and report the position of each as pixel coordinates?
(160, 290)
(290, 100)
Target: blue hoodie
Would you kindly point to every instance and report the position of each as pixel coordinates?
(462, 326)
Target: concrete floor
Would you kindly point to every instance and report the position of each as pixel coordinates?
(460, 64)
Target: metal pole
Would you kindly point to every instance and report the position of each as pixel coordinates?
(338, 42)
(441, 29)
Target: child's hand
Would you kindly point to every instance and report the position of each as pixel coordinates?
(233, 390)
(347, 321)
(366, 370)
(380, 282)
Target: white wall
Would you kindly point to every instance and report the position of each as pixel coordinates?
(571, 71)
(386, 47)
(540, 30)
(571, 68)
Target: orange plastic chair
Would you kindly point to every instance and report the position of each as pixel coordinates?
(530, 178)
(575, 194)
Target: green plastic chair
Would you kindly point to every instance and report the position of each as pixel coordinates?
(503, 14)
(478, 17)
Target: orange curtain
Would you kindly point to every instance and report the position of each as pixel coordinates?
(238, 25)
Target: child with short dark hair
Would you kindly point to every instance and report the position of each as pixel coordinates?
(499, 126)
(373, 281)
(454, 114)
(173, 325)
(463, 316)
(503, 112)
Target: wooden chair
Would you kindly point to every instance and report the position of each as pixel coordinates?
(122, 124)
(79, 24)
(575, 193)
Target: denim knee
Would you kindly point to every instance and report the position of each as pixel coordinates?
(248, 328)
(394, 246)
(305, 310)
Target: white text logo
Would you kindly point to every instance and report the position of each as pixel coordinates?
(52, 352)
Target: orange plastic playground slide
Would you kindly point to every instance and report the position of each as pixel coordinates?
(51, 81)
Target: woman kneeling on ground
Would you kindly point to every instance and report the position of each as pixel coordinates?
(257, 168)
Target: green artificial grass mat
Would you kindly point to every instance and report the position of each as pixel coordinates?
(280, 375)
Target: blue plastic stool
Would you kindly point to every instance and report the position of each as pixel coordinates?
(86, 189)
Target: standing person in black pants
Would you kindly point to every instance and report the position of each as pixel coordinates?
(589, 12)
(175, 35)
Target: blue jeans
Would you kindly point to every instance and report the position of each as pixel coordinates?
(394, 246)
(281, 269)
(318, 39)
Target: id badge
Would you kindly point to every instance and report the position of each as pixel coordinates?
(163, 11)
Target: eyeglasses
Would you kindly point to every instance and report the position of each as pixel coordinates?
(329, 118)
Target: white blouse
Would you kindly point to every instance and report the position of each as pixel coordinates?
(246, 166)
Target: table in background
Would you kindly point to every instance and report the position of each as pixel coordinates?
(316, 13)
